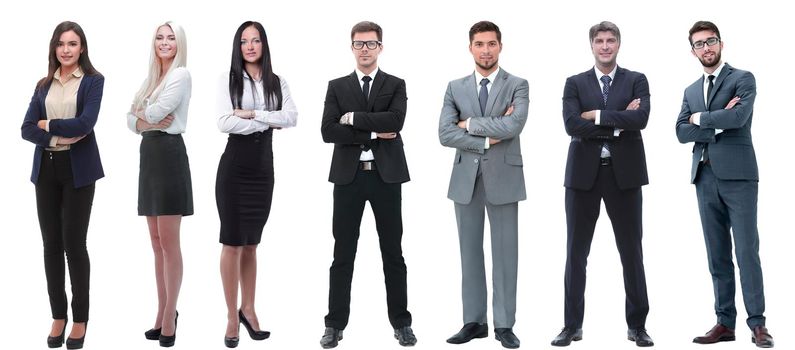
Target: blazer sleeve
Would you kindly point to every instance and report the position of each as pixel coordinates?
(332, 130)
(30, 128)
(575, 125)
(504, 127)
(634, 119)
(737, 116)
(450, 135)
(177, 88)
(687, 132)
(390, 120)
(83, 123)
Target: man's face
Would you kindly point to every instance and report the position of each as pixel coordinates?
(708, 55)
(605, 47)
(485, 49)
(366, 58)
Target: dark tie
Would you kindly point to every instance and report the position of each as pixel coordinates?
(605, 88)
(366, 87)
(711, 85)
(483, 96)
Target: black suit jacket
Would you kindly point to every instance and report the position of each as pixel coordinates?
(385, 111)
(582, 93)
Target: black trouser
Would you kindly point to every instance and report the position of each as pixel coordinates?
(349, 203)
(64, 212)
(624, 207)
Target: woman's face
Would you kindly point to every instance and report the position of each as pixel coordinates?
(68, 50)
(165, 43)
(251, 45)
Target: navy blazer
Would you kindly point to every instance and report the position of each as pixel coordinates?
(84, 154)
(582, 93)
(731, 153)
(384, 111)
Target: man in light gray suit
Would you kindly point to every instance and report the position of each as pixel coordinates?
(482, 117)
(716, 116)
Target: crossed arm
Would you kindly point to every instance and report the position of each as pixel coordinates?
(358, 128)
(37, 129)
(734, 115)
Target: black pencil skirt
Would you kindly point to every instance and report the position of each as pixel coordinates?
(244, 187)
(164, 184)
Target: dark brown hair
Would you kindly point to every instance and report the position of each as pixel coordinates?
(84, 62)
(485, 26)
(604, 26)
(367, 26)
(702, 25)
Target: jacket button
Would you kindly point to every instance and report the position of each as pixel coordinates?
(476, 161)
(361, 146)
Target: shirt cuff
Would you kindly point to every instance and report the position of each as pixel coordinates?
(373, 136)
(697, 118)
(598, 117)
(54, 141)
(47, 126)
(467, 122)
(616, 132)
(487, 144)
(718, 131)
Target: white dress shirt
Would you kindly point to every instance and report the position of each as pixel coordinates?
(366, 155)
(173, 99)
(605, 152)
(697, 116)
(254, 100)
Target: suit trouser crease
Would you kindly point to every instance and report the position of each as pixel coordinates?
(624, 208)
(349, 203)
(730, 207)
(64, 213)
(503, 221)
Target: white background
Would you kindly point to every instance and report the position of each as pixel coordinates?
(426, 44)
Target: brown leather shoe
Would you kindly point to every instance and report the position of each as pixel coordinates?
(762, 338)
(718, 333)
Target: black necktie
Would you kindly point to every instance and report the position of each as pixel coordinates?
(366, 87)
(605, 87)
(483, 96)
(711, 85)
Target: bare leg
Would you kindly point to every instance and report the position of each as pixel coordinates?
(230, 277)
(157, 249)
(78, 330)
(57, 327)
(248, 284)
(168, 227)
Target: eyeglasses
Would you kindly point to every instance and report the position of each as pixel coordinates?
(709, 42)
(371, 44)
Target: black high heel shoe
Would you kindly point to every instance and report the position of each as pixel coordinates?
(231, 342)
(56, 342)
(77, 343)
(168, 341)
(256, 335)
(154, 333)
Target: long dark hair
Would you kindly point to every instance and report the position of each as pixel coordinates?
(84, 62)
(270, 81)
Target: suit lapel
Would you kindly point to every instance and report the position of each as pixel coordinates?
(727, 69)
(471, 90)
(356, 90)
(596, 89)
(499, 81)
(378, 83)
(614, 88)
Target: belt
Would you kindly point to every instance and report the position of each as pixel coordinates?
(605, 161)
(367, 166)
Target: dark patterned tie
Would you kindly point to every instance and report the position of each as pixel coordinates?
(483, 96)
(711, 79)
(605, 87)
(366, 87)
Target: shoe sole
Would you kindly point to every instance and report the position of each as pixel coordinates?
(476, 336)
(632, 339)
(578, 338)
(721, 339)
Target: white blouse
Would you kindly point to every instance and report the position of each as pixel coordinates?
(263, 119)
(174, 99)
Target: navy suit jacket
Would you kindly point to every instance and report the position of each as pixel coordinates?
(731, 153)
(384, 111)
(84, 154)
(582, 93)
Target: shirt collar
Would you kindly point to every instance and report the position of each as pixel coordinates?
(716, 73)
(492, 77)
(599, 73)
(361, 75)
(77, 73)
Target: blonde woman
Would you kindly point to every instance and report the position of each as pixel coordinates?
(159, 113)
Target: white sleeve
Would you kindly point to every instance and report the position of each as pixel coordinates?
(227, 121)
(284, 118)
(131, 123)
(177, 87)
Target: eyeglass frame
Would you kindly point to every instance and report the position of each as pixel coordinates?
(698, 45)
(366, 43)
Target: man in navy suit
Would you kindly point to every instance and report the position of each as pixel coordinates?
(604, 110)
(716, 116)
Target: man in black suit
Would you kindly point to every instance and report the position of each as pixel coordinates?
(604, 110)
(363, 116)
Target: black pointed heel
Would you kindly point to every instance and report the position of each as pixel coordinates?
(256, 335)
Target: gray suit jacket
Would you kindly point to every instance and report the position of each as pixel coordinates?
(731, 153)
(501, 164)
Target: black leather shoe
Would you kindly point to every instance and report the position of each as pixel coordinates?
(405, 336)
(640, 337)
(506, 337)
(470, 331)
(256, 335)
(56, 342)
(231, 342)
(331, 338)
(154, 333)
(76, 343)
(566, 336)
